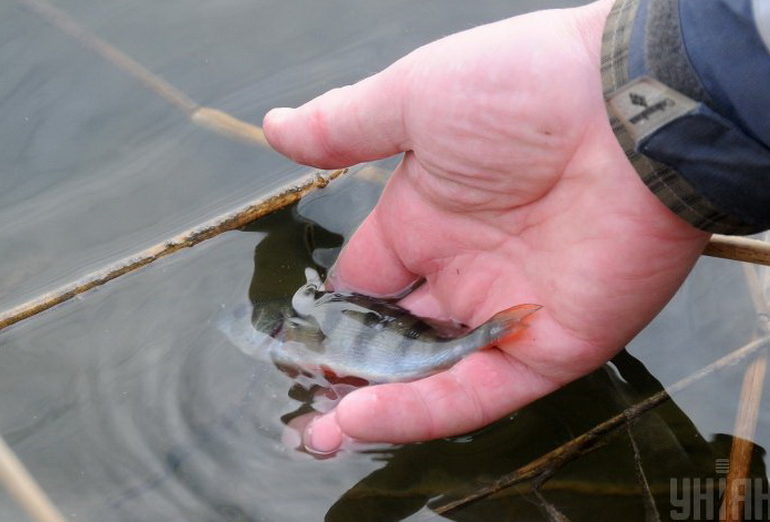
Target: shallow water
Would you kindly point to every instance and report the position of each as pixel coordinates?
(131, 403)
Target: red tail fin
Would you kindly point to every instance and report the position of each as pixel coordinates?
(512, 321)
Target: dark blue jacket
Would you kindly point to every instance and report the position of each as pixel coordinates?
(688, 89)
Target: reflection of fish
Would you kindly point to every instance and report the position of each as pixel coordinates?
(239, 329)
(355, 335)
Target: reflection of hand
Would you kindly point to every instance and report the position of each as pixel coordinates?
(513, 189)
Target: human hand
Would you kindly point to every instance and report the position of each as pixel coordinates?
(512, 189)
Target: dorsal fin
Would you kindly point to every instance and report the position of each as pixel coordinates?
(312, 277)
(303, 299)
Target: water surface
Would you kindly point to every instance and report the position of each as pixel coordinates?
(97, 167)
(130, 403)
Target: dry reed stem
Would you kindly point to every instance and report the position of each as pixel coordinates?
(743, 445)
(542, 468)
(208, 118)
(24, 489)
(226, 125)
(748, 413)
(213, 227)
(739, 249)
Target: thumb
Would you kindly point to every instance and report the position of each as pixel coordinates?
(369, 264)
(344, 126)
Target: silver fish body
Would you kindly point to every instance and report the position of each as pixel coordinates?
(360, 336)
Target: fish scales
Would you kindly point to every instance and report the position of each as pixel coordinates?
(360, 336)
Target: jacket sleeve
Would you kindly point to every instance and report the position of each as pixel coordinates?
(687, 85)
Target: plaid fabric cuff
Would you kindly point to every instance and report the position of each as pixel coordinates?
(670, 187)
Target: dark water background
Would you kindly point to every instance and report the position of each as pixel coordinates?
(130, 403)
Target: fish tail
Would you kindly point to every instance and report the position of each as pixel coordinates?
(502, 327)
(506, 325)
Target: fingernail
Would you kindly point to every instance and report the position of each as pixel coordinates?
(278, 115)
(336, 283)
(323, 437)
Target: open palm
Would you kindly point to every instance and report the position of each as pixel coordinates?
(512, 189)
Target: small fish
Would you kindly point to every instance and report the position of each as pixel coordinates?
(352, 335)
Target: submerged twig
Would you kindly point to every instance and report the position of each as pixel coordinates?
(551, 511)
(205, 117)
(540, 469)
(211, 228)
(24, 489)
(739, 249)
(651, 510)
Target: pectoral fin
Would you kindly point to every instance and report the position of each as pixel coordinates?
(304, 331)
